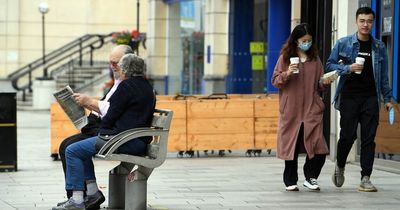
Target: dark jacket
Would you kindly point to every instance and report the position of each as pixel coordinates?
(92, 128)
(131, 106)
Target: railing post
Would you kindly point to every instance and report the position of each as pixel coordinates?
(80, 53)
(91, 55)
(30, 81)
(70, 73)
(23, 95)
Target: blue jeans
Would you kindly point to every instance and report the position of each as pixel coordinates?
(80, 164)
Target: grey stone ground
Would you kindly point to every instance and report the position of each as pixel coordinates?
(232, 182)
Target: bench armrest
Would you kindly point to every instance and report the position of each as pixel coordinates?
(107, 151)
(115, 139)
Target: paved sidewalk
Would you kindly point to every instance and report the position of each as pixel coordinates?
(211, 183)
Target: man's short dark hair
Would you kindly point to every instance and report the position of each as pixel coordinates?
(365, 11)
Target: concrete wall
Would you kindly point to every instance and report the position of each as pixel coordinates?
(296, 13)
(344, 23)
(21, 25)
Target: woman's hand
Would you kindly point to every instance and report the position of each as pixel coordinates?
(293, 68)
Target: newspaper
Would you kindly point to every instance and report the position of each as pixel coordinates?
(331, 75)
(74, 111)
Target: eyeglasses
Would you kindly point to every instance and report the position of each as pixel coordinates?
(113, 64)
(368, 22)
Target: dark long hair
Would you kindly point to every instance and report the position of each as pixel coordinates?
(290, 47)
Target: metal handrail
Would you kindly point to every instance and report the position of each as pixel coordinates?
(80, 46)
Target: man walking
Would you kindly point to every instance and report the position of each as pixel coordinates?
(362, 62)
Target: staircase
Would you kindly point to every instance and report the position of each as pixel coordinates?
(78, 77)
(76, 64)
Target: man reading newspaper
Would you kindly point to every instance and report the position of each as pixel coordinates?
(98, 108)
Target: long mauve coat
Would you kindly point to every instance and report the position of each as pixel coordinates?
(299, 102)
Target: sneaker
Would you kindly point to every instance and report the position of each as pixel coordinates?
(311, 184)
(292, 188)
(94, 201)
(70, 205)
(338, 176)
(62, 203)
(366, 185)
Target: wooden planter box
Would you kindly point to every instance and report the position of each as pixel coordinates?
(243, 121)
(177, 140)
(220, 124)
(61, 127)
(388, 136)
(266, 115)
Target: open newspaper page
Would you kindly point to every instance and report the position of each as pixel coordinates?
(74, 111)
(331, 75)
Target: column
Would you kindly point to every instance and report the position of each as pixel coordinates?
(346, 24)
(278, 32)
(157, 45)
(216, 45)
(174, 50)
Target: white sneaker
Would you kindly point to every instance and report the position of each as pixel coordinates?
(366, 185)
(311, 184)
(292, 188)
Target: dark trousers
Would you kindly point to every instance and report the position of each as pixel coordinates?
(363, 110)
(63, 146)
(312, 167)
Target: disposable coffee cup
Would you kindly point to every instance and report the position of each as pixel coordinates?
(295, 60)
(359, 60)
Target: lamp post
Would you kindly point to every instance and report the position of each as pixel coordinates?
(137, 22)
(43, 8)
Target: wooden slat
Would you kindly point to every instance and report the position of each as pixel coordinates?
(61, 127)
(177, 135)
(266, 108)
(220, 126)
(220, 141)
(179, 108)
(177, 139)
(266, 133)
(219, 108)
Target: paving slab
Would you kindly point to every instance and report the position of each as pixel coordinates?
(210, 182)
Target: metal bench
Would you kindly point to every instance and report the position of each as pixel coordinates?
(128, 180)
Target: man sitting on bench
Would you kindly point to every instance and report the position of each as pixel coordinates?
(98, 108)
(131, 106)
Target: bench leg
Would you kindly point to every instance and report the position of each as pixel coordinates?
(136, 195)
(127, 194)
(116, 187)
(136, 190)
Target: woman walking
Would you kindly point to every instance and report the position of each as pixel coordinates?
(298, 74)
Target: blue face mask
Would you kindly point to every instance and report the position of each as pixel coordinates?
(305, 46)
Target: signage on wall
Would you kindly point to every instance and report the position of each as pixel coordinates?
(257, 62)
(257, 47)
(257, 50)
(187, 14)
(387, 17)
(364, 3)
